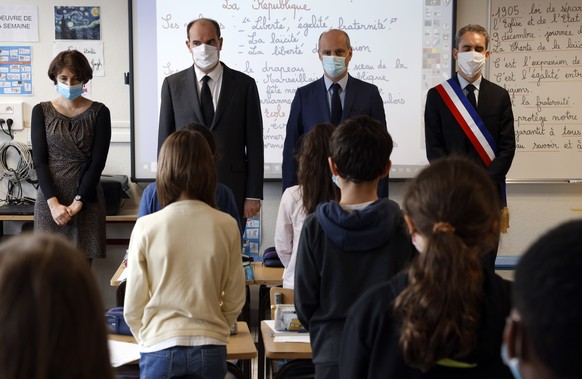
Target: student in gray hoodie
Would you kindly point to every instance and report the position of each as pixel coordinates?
(347, 247)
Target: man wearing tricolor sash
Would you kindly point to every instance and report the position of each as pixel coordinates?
(471, 116)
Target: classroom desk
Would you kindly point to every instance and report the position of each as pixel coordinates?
(240, 346)
(290, 351)
(114, 282)
(127, 214)
(265, 277)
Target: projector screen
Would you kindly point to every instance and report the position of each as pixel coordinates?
(403, 47)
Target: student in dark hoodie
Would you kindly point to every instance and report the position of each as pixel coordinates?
(347, 247)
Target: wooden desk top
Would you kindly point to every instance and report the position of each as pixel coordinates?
(267, 275)
(283, 350)
(115, 282)
(126, 214)
(240, 346)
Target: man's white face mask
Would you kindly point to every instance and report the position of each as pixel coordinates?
(205, 56)
(471, 62)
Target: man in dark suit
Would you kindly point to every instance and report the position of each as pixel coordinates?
(226, 101)
(443, 133)
(314, 103)
(446, 131)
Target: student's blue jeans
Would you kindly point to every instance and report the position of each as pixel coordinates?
(204, 362)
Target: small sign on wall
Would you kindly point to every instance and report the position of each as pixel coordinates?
(18, 23)
(93, 50)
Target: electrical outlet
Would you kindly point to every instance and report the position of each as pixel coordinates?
(11, 111)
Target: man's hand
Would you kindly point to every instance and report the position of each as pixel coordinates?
(251, 208)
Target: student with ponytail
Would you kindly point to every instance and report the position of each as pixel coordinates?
(444, 317)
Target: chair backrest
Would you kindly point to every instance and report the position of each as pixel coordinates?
(286, 297)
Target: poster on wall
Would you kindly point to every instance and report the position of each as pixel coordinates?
(252, 238)
(93, 50)
(18, 23)
(15, 70)
(77, 23)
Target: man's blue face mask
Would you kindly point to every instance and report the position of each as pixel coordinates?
(334, 66)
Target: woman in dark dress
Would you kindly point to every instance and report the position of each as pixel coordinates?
(70, 141)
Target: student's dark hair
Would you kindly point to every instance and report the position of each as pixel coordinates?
(547, 295)
(75, 62)
(206, 133)
(213, 22)
(454, 205)
(52, 316)
(473, 28)
(185, 166)
(314, 175)
(360, 148)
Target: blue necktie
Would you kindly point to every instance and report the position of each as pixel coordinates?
(336, 104)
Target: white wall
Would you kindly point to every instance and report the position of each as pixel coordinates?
(533, 207)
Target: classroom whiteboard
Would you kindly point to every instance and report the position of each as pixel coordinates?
(536, 55)
(403, 47)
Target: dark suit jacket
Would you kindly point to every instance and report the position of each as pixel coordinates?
(237, 126)
(310, 107)
(444, 135)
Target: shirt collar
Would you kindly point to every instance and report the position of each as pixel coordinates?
(215, 74)
(463, 82)
(343, 82)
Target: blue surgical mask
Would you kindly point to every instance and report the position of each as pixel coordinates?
(512, 363)
(70, 92)
(333, 66)
(335, 180)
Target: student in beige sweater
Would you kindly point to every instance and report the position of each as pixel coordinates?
(185, 284)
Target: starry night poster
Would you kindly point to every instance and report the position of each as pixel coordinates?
(77, 23)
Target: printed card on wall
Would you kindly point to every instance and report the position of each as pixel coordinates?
(18, 23)
(93, 50)
(77, 23)
(15, 70)
(252, 238)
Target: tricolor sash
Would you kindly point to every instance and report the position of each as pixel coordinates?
(474, 128)
(468, 119)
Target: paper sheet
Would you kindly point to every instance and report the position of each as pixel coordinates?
(286, 336)
(302, 338)
(121, 353)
